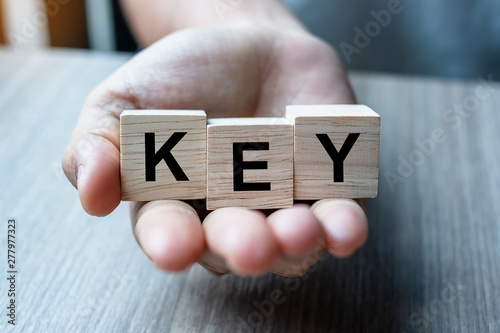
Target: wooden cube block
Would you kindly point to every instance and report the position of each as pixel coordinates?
(250, 163)
(163, 154)
(336, 151)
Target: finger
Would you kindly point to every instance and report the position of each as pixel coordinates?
(169, 232)
(345, 224)
(300, 237)
(242, 238)
(92, 158)
(297, 230)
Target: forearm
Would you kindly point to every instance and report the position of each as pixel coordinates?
(151, 20)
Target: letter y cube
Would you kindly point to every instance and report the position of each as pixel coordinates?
(336, 149)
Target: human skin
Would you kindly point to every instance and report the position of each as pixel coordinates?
(254, 62)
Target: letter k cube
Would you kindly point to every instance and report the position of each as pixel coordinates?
(163, 154)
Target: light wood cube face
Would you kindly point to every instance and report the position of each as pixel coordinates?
(336, 151)
(163, 154)
(250, 163)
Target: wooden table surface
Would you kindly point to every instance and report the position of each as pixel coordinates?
(431, 263)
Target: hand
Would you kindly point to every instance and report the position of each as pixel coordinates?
(228, 71)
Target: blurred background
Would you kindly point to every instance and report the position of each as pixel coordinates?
(93, 24)
(459, 39)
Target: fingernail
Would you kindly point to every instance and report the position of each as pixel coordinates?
(343, 231)
(336, 225)
(154, 243)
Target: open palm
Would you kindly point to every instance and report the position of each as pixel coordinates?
(228, 71)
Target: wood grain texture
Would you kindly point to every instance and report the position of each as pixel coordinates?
(278, 174)
(431, 263)
(189, 153)
(313, 166)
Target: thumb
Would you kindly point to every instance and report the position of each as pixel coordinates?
(92, 158)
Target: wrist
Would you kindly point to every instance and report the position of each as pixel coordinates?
(270, 13)
(151, 20)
